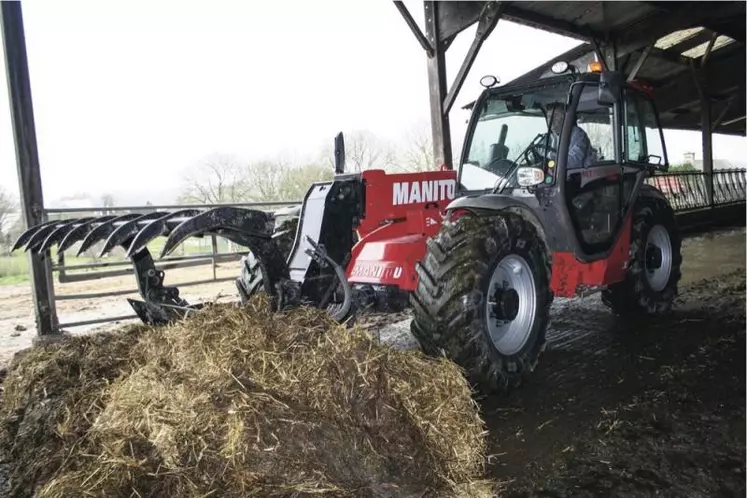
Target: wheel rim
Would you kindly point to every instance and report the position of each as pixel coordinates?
(658, 258)
(511, 305)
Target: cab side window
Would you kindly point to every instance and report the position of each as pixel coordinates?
(596, 123)
(642, 140)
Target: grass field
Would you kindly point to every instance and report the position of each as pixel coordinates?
(14, 268)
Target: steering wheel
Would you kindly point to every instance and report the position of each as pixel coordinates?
(537, 150)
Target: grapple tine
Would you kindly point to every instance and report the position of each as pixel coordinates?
(157, 228)
(102, 231)
(60, 232)
(38, 238)
(242, 223)
(79, 232)
(26, 236)
(126, 231)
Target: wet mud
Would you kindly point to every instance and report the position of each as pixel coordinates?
(651, 408)
(630, 409)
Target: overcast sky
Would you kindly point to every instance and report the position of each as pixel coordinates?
(129, 94)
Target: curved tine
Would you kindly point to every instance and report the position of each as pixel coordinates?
(246, 221)
(38, 238)
(126, 231)
(26, 236)
(59, 233)
(157, 228)
(78, 233)
(103, 230)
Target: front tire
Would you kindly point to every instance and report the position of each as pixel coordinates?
(252, 279)
(483, 298)
(654, 271)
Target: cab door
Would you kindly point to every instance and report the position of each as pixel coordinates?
(627, 144)
(595, 187)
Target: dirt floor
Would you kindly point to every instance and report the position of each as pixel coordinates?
(632, 409)
(613, 409)
(655, 409)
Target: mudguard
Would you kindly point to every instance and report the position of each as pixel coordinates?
(491, 202)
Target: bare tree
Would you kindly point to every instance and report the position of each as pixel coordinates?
(363, 151)
(281, 181)
(219, 178)
(417, 153)
(297, 181)
(8, 206)
(107, 200)
(264, 180)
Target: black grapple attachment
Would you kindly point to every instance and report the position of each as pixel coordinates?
(253, 229)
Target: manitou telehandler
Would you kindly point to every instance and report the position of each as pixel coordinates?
(549, 199)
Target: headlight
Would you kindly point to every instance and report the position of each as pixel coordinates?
(528, 177)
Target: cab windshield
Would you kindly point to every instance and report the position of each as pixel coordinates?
(511, 131)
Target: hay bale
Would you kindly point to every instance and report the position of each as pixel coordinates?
(51, 396)
(236, 402)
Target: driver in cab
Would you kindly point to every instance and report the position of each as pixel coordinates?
(580, 152)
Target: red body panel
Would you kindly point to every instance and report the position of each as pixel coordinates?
(568, 274)
(401, 212)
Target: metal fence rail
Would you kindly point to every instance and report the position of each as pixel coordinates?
(686, 191)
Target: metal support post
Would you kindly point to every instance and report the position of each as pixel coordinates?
(706, 125)
(705, 105)
(214, 247)
(437, 87)
(27, 159)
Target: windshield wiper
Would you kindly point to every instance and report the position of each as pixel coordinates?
(510, 173)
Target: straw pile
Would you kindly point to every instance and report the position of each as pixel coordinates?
(239, 403)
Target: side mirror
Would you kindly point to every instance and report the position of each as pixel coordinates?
(610, 87)
(651, 157)
(339, 154)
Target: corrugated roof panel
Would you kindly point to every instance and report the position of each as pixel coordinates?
(673, 39)
(597, 16)
(700, 50)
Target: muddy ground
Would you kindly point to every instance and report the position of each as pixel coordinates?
(614, 408)
(632, 409)
(653, 409)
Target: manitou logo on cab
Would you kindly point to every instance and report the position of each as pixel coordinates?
(425, 191)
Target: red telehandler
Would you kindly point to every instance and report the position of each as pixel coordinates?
(478, 252)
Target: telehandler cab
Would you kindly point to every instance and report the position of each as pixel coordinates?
(549, 200)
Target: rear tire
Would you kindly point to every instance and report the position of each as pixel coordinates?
(650, 286)
(463, 279)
